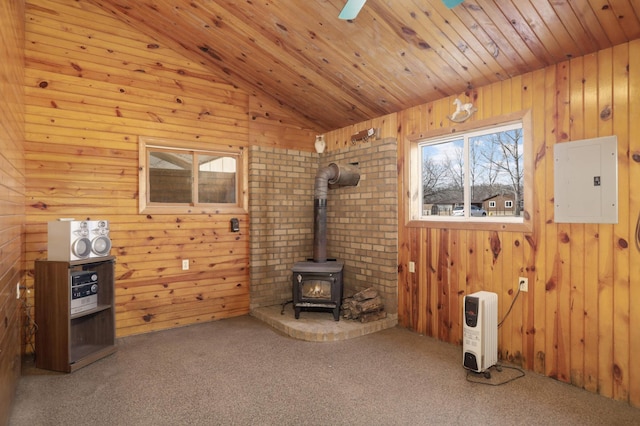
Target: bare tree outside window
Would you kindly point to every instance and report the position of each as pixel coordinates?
(433, 175)
(503, 155)
(442, 176)
(455, 164)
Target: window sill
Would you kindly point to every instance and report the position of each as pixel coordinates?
(211, 210)
(475, 224)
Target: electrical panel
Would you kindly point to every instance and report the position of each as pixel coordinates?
(586, 181)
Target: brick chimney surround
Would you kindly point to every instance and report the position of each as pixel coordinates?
(362, 221)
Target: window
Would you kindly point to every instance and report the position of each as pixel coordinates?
(176, 176)
(454, 175)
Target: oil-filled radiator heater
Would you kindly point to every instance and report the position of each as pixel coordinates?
(480, 331)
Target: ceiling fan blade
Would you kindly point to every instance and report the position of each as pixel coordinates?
(451, 3)
(351, 9)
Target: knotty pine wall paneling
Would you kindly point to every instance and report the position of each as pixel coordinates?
(12, 196)
(270, 124)
(575, 322)
(93, 86)
(623, 232)
(577, 241)
(634, 217)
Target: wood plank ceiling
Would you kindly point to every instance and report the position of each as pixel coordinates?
(394, 55)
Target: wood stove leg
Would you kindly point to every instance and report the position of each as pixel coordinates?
(336, 314)
(297, 312)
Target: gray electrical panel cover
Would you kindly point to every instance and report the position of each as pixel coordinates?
(586, 181)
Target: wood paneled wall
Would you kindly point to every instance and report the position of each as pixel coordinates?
(576, 322)
(12, 195)
(93, 86)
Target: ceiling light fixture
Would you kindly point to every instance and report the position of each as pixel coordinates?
(352, 8)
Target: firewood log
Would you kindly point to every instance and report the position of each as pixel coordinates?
(369, 305)
(365, 294)
(372, 316)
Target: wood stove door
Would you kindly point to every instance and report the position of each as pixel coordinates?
(316, 291)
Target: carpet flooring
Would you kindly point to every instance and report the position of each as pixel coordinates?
(241, 371)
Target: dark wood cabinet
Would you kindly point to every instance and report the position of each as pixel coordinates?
(65, 341)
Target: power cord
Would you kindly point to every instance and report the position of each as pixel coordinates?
(471, 375)
(30, 326)
(638, 233)
(510, 307)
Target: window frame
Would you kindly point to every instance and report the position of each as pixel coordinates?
(242, 166)
(413, 178)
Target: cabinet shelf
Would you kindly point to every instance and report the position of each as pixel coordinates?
(86, 354)
(95, 310)
(64, 341)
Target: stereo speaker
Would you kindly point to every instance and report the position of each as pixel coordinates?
(100, 241)
(70, 240)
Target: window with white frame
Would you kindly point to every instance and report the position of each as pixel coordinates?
(508, 204)
(454, 175)
(177, 176)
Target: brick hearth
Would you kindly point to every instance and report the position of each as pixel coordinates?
(319, 326)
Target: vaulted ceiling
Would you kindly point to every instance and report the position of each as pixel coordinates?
(395, 54)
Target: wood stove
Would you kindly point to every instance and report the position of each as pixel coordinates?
(317, 286)
(317, 283)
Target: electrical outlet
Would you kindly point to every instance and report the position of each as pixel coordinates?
(412, 267)
(185, 264)
(523, 282)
